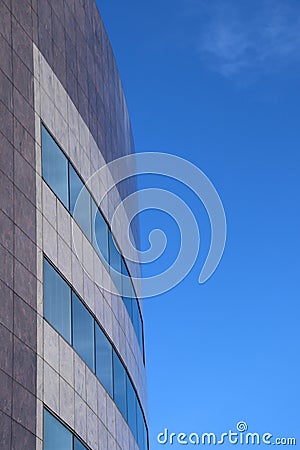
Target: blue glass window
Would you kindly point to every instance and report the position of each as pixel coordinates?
(104, 370)
(141, 429)
(131, 408)
(55, 167)
(127, 290)
(83, 331)
(82, 212)
(100, 233)
(78, 445)
(57, 301)
(56, 436)
(120, 396)
(115, 262)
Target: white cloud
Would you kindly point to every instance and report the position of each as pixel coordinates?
(238, 36)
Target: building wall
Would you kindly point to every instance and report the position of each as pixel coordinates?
(57, 67)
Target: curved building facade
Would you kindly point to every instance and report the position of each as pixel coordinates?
(72, 363)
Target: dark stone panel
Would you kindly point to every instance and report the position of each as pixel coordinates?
(44, 14)
(24, 363)
(59, 35)
(24, 214)
(34, 5)
(21, 9)
(6, 350)
(35, 28)
(6, 157)
(25, 284)
(25, 177)
(69, 21)
(23, 112)
(83, 76)
(6, 122)
(6, 267)
(6, 232)
(5, 393)
(6, 197)
(45, 43)
(72, 86)
(5, 57)
(25, 250)
(22, 44)
(71, 55)
(5, 90)
(23, 79)
(60, 67)
(6, 306)
(80, 14)
(25, 327)
(22, 439)
(71, 5)
(24, 143)
(5, 431)
(24, 407)
(83, 103)
(5, 21)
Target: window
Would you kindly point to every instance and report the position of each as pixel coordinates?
(57, 301)
(55, 167)
(131, 408)
(104, 370)
(141, 429)
(115, 262)
(61, 176)
(100, 238)
(56, 436)
(120, 385)
(82, 213)
(78, 445)
(83, 331)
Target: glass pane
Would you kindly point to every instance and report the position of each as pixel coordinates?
(115, 263)
(78, 445)
(140, 332)
(57, 301)
(104, 360)
(127, 290)
(145, 438)
(56, 436)
(83, 331)
(82, 213)
(135, 316)
(120, 385)
(100, 233)
(141, 425)
(55, 167)
(131, 408)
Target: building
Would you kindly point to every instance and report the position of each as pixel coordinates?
(72, 366)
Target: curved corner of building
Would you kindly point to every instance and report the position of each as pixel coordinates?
(72, 369)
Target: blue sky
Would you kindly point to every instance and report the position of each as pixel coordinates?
(218, 83)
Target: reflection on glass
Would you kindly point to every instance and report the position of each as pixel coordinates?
(115, 262)
(120, 385)
(82, 212)
(55, 167)
(57, 301)
(100, 233)
(83, 331)
(56, 436)
(104, 360)
(131, 408)
(78, 445)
